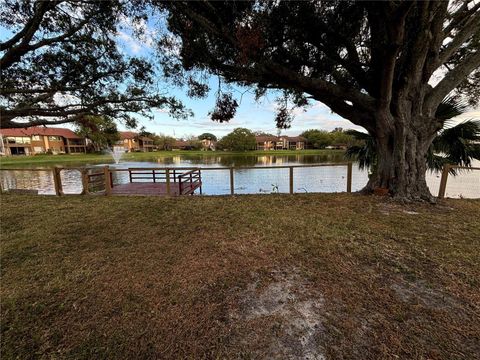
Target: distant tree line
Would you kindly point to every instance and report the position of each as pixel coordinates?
(103, 133)
(320, 139)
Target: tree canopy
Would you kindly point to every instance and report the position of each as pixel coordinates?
(164, 142)
(385, 66)
(100, 130)
(319, 139)
(346, 54)
(61, 63)
(240, 139)
(207, 136)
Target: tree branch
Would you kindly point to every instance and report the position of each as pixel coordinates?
(471, 28)
(390, 37)
(451, 80)
(460, 16)
(277, 73)
(14, 53)
(32, 25)
(283, 77)
(6, 123)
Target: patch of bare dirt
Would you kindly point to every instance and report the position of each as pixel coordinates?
(419, 293)
(285, 316)
(389, 207)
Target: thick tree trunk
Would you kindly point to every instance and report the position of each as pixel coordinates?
(401, 167)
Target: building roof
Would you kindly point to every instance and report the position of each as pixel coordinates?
(40, 130)
(180, 143)
(295, 138)
(263, 138)
(128, 135)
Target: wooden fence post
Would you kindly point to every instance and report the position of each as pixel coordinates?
(232, 182)
(85, 182)
(57, 181)
(108, 183)
(291, 179)
(167, 178)
(443, 181)
(349, 177)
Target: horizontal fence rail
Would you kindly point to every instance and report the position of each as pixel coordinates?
(446, 171)
(185, 180)
(93, 182)
(178, 180)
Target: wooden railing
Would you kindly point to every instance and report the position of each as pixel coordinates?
(168, 176)
(153, 174)
(93, 181)
(446, 170)
(190, 181)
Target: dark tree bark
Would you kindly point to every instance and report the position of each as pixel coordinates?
(401, 166)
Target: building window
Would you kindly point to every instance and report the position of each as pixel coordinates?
(17, 140)
(36, 137)
(54, 138)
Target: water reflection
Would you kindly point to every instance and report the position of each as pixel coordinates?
(216, 182)
(247, 160)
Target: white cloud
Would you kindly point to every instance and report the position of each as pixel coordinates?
(142, 33)
(134, 46)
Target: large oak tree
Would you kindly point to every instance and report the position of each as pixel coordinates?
(60, 63)
(383, 65)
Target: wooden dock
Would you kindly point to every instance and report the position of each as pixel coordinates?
(155, 189)
(146, 181)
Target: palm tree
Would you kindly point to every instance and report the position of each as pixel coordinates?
(457, 144)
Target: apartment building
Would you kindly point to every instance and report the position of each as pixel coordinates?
(40, 140)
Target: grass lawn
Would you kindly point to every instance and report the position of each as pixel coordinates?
(66, 159)
(272, 276)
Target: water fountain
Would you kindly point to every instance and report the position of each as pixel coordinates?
(117, 153)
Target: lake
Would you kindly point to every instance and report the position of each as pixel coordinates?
(247, 181)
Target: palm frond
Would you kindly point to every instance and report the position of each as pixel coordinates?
(366, 154)
(358, 135)
(458, 143)
(436, 163)
(450, 107)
